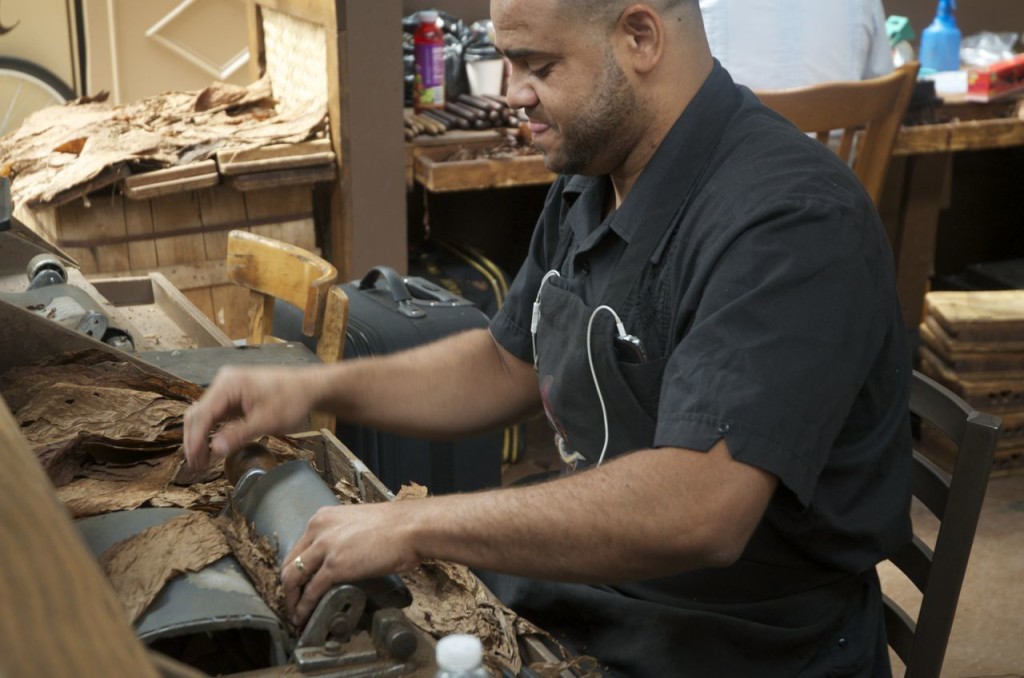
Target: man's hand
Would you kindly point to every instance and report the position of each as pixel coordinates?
(649, 514)
(346, 544)
(253, 402)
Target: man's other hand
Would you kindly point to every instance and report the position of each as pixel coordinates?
(249, 403)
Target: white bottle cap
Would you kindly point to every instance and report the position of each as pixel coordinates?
(429, 16)
(459, 652)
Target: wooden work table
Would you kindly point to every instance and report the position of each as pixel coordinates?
(919, 185)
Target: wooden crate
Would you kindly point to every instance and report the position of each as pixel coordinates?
(182, 236)
(439, 175)
(164, 319)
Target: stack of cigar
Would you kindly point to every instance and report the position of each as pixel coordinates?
(467, 112)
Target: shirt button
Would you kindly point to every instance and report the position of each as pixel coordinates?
(841, 642)
(724, 428)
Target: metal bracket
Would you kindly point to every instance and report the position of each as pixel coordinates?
(336, 615)
(331, 640)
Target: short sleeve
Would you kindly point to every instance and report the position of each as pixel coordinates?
(791, 318)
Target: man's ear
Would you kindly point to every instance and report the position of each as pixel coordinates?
(643, 32)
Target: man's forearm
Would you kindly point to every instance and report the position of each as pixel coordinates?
(650, 514)
(459, 385)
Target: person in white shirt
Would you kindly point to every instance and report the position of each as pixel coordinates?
(779, 44)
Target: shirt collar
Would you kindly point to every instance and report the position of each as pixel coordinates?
(690, 141)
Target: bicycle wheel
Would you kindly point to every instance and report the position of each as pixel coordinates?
(26, 87)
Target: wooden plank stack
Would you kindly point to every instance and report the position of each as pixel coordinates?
(973, 343)
(175, 221)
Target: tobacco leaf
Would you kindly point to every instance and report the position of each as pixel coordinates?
(259, 560)
(222, 95)
(411, 491)
(207, 497)
(72, 424)
(86, 367)
(447, 598)
(88, 415)
(139, 567)
(166, 130)
(347, 492)
(89, 496)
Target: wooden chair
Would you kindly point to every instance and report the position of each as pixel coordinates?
(869, 114)
(956, 501)
(271, 270)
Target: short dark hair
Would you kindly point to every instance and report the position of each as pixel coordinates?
(608, 10)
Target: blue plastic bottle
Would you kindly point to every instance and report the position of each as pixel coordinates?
(940, 42)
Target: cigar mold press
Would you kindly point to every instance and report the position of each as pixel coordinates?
(357, 630)
(51, 296)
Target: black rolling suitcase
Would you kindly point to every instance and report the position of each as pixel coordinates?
(466, 272)
(388, 313)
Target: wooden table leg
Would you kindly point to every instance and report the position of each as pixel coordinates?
(927, 191)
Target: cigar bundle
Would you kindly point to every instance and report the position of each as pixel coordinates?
(466, 112)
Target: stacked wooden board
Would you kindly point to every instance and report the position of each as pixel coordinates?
(175, 221)
(973, 343)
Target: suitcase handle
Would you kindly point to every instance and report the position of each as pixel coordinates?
(396, 286)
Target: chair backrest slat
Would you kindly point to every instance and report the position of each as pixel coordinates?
(956, 500)
(872, 109)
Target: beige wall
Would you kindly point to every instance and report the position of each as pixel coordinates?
(200, 44)
(41, 32)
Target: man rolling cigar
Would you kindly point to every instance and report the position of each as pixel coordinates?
(707, 316)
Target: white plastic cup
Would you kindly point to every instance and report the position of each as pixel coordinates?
(485, 76)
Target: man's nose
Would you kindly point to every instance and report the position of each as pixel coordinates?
(519, 93)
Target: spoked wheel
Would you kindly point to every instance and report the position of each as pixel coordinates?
(25, 88)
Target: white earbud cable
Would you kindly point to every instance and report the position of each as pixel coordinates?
(593, 372)
(535, 316)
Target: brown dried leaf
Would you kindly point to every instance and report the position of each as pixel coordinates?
(92, 496)
(448, 598)
(208, 497)
(140, 566)
(412, 491)
(73, 146)
(167, 130)
(259, 560)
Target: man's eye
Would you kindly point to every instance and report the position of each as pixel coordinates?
(543, 71)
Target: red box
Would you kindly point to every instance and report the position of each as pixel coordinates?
(999, 79)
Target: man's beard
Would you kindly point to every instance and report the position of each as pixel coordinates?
(603, 123)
